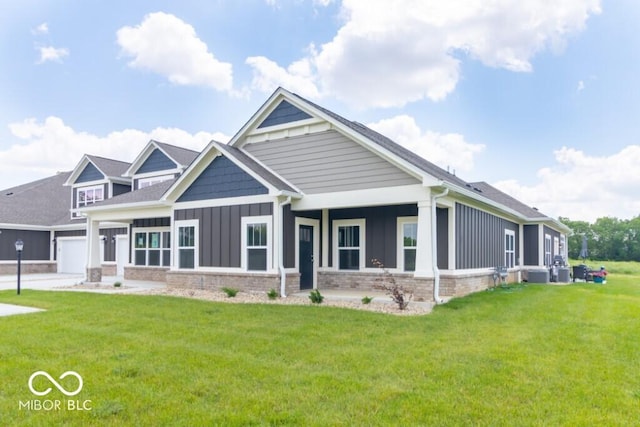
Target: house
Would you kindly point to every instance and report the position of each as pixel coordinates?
(45, 213)
(303, 198)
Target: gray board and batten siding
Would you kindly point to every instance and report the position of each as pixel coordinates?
(531, 246)
(219, 231)
(480, 238)
(157, 161)
(36, 244)
(221, 179)
(326, 162)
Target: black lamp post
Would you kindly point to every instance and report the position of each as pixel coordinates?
(19, 246)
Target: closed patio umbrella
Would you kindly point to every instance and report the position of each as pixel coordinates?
(584, 252)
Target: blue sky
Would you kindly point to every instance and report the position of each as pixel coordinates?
(539, 98)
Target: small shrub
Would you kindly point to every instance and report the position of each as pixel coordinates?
(272, 294)
(316, 297)
(366, 299)
(231, 292)
(388, 284)
(117, 284)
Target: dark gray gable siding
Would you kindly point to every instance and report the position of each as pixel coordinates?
(89, 173)
(157, 161)
(36, 245)
(220, 231)
(284, 113)
(480, 238)
(531, 245)
(222, 178)
(119, 189)
(381, 230)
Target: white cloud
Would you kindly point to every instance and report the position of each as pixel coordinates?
(584, 187)
(298, 77)
(50, 53)
(445, 150)
(390, 52)
(166, 45)
(41, 29)
(38, 152)
(581, 86)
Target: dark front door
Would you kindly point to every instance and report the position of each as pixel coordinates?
(305, 256)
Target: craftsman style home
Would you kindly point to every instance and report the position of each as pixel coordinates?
(300, 198)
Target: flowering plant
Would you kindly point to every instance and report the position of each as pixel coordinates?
(600, 273)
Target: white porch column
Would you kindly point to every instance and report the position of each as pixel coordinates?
(424, 255)
(94, 265)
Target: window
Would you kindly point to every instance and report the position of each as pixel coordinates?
(89, 195)
(407, 243)
(256, 250)
(349, 244)
(152, 180)
(509, 248)
(547, 250)
(187, 246)
(152, 248)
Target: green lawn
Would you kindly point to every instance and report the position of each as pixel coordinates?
(528, 355)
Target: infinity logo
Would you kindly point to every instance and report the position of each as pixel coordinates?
(55, 383)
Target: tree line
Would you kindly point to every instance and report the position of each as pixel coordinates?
(608, 239)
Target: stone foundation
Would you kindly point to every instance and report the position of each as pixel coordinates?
(151, 274)
(254, 282)
(108, 269)
(422, 288)
(29, 267)
(94, 275)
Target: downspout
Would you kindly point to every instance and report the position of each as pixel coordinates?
(434, 246)
(283, 275)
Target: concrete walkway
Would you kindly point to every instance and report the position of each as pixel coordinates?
(66, 282)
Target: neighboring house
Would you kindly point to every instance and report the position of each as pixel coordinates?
(45, 213)
(303, 198)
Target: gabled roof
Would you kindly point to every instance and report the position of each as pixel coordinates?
(181, 156)
(44, 202)
(261, 173)
(110, 168)
(391, 150)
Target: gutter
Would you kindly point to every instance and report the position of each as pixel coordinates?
(283, 275)
(434, 247)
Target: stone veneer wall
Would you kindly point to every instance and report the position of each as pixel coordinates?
(247, 282)
(109, 269)
(422, 288)
(29, 267)
(152, 274)
(460, 285)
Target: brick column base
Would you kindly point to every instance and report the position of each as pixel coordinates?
(94, 275)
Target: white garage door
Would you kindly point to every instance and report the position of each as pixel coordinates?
(72, 255)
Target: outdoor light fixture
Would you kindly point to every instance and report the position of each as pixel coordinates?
(19, 247)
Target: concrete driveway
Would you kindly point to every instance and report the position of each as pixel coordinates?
(65, 282)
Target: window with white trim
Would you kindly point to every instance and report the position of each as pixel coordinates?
(186, 245)
(509, 248)
(152, 247)
(349, 245)
(256, 246)
(89, 195)
(547, 249)
(152, 180)
(407, 243)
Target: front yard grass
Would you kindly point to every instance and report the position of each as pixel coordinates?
(524, 355)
